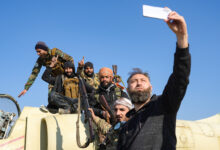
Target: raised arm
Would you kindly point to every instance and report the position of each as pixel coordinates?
(101, 124)
(178, 25)
(80, 68)
(179, 79)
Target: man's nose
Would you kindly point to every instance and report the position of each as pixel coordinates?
(117, 113)
(139, 82)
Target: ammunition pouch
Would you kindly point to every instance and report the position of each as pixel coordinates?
(71, 87)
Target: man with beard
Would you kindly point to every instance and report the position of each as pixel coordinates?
(109, 90)
(121, 107)
(153, 119)
(45, 58)
(65, 93)
(86, 71)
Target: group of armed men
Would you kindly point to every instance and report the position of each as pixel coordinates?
(142, 121)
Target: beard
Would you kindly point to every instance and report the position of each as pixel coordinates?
(89, 74)
(139, 97)
(69, 75)
(105, 85)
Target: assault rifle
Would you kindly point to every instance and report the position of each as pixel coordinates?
(115, 68)
(88, 116)
(117, 78)
(104, 103)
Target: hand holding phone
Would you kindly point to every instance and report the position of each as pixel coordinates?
(156, 12)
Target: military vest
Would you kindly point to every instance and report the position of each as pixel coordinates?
(94, 82)
(117, 93)
(71, 87)
(58, 68)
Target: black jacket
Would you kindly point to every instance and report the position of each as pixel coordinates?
(153, 126)
(58, 83)
(110, 96)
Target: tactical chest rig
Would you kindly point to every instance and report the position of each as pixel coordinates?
(93, 81)
(71, 87)
(117, 93)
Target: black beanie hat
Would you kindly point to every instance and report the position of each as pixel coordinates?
(68, 64)
(88, 64)
(41, 45)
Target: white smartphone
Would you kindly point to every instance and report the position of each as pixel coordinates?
(155, 12)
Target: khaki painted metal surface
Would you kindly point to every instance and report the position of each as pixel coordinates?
(199, 135)
(38, 130)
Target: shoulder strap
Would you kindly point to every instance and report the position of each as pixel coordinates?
(62, 78)
(53, 51)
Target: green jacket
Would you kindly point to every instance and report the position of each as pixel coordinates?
(62, 58)
(93, 81)
(110, 133)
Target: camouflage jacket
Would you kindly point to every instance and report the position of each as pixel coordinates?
(62, 57)
(108, 130)
(93, 81)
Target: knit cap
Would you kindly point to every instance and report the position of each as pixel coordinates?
(88, 64)
(41, 45)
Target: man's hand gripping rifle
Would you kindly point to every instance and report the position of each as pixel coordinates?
(106, 106)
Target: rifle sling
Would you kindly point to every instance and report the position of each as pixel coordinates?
(77, 129)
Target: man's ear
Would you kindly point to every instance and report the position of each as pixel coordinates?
(111, 78)
(151, 87)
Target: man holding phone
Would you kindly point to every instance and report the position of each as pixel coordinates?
(153, 119)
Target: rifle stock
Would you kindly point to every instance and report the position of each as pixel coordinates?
(104, 103)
